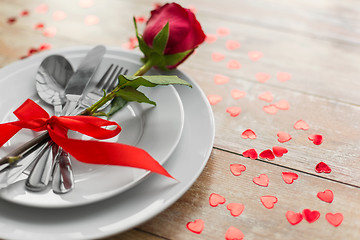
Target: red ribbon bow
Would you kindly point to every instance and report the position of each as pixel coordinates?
(34, 117)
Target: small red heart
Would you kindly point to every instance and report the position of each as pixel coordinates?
(289, 177)
(220, 79)
(268, 201)
(261, 180)
(235, 209)
(248, 133)
(334, 219)
(311, 216)
(282, 105)
(301, 125)
(237, 94)
(11, 20)
(24, 13)
(234, 234)
(233, 64)
(266, 96)
(293, 218)
(267, 154)
(140, 19)
(326, 196)
(279, 151)
(237, 169)
(233, 111)
(44, 46)
(255, 55)
(217, 57)
(39, 26)
(284, 137)
(250, 153)
(316, 139)
(270, 109)
(232, 44)
(322, 167)
(283, 76)
(210, 38)
(216, 199)
(196, 226)
(214, 99)
(262, 77)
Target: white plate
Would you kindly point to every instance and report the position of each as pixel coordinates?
(154, 129)
(138, 204)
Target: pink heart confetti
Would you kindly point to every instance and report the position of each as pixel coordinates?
(248, 133)
(268, 201)
(214, 99)
(140, 19)
(235, 209)
(39, 26)
(233, 111)
(250, 153)
(233, 64)
(45, 46)
(233, 234)
(261, 180)
(220, 79)
(301, 125)
(283, 137)
(59, 15)
(311, 216)
(293, 218)
(282, 105)
(289, 177)
(217, 57)
(196, 226)
(279, 151)
(237, 169)
(283, 76)
(42, 8)
(270, 109)
(316, 139)
(210, 38)
(237, 94)
(262, 77)
(255, 55)
(86, 3)
(334, 219)
(216, 199)
(91, 20)
(322, 167)
(232, 44)
(267, 154)
(266, 96)
(24, 13)
(49, 32)
(326, 196)
(222, 31)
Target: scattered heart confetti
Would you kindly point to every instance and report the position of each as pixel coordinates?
(255, 55)
(261, 180)
(282, 105)
(216, 199)
(11, 20)
(39, 26)
(267, 154)
(131, 44)
(289, 177)
(140, 19)
(326, 196)
(248, 133)
(42, 8)
(237, 169)
(24, 13)
(235, 209)
(210, 38)
(220, 79)
(232, 44)
(322, 167)
(250, 153)
(334, 219)
(270, 109)
(283, 76)
(214, 99)
(316, 139)
(91, 20)
(49, 32)
(279, 151)
(217, 57)
(233, 64)
(268, 201)
(86, 3)
(237, 94)
(283, 137)
(262, 77)
(222, 31)
(301, 125)
(266, 96)
(311, 216)
(233, 234)
(293, 217)
(196, 226)
(233, 111)
(59, 15)
(44, 46)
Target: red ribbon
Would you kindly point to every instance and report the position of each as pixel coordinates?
(32, 116)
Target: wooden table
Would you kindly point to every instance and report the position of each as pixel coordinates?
(309, 51)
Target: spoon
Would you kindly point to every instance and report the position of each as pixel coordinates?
(51, 79)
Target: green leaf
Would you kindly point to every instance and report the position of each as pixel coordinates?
(116, 104)
(131, 94)
(173, 59)
(151, 81)
(160, 40)
(142, 44)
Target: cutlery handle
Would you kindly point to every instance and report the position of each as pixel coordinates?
(63, 179)
(69, 107)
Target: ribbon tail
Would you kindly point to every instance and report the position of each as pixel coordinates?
(7, 131)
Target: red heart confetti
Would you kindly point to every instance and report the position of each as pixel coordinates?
(268, 201)
(140, 19)
(42, 8)
(196, 226)
(322, 167)
(266, 96)
(86, 3)
(262, 77)
(270, 109)
(39, 26)
(248, 133)
(283, 137)
(283, 76)
(233, 111)
(11, 20)
(237, 169)
(311, 216)
(233, 64)
(279, 151)
(334, 219)
(220, 79)
(293, 217)
(235, 209)
(267, 154)
(24, 13)
(91, 20)
(316, 139)
(326, 196)
(289, 177)
(250, 153)
(237, 94)
(217, 57)
(59, 15)
(222, 31)
(216, 199)
(49, 32)
(282, 105)
(233, 234)
(261, 180)
(255, 55)
(301, 125)
(210, 38)
(44, 46)
(214, 99)
(232, 44)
